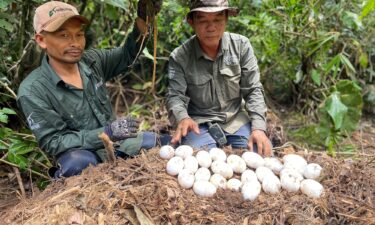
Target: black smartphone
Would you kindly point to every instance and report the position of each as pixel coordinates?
(217, 133)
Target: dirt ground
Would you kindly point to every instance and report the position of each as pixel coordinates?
(138, 191)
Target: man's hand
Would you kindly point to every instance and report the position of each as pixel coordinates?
(144, 8)
(184, 126)
(122, 128)
(259, 138)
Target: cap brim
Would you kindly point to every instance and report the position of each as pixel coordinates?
(56, 24)
(232, 11)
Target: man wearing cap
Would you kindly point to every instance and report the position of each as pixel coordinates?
(214, 95)
(65, 100)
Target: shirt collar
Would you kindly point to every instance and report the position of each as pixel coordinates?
(83, 69)
(224, 45)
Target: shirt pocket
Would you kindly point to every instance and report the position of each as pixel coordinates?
(231, 88)
(104, 102)
(76, 120)
(200, 90)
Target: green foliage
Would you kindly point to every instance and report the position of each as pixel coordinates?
(339, 115)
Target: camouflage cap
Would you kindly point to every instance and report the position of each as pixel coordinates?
(212, 6)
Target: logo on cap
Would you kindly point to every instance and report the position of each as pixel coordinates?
(56, 9)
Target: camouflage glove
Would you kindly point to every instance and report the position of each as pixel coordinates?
(122, 128)
(153, 5)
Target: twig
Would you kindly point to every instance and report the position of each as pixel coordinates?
(20, 183)
(108, 145)
(155, 54)
(9, 89)
(32, 171)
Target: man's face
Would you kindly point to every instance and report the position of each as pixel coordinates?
(209, 27)
(66, 44)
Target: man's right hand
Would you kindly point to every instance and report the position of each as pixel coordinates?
(184, 126)
(122, 128)
(142, 8)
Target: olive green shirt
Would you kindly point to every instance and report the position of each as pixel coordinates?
(226, 90)
(63, 117)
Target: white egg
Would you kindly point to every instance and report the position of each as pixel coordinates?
(312, 188)
(291, 172)
(204, 188)
(166, 152)
(252, 159)
(248, 176)
(274, 164)
(312, 171)
(204, 159)
(271, 184)
(234, 184)
(186, 178)
(184, 151)
(218, 154)
(191, 163)
(262, 171)
(202, 174)
(175, 165)
(251, 190)
(218, 180)
(295, 162)
(222, 168)
(289, 182)
(237, 164)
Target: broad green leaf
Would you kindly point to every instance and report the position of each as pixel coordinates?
(137, 86)
(336, 109)
(6, 25)
(8, 111)
(147, 54)
(19, 160)
(370, 6)
(3, 146)
(363, 60)
(3, 117)
(117, 3)
(5, 3)
(351, 20)
(298, 76)
(315, 76)
(21, 148)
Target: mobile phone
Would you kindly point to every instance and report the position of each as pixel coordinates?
(217, 133)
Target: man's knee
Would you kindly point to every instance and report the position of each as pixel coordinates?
(73, 162)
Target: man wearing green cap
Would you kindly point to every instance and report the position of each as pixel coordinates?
(214, 95)
(65, 100)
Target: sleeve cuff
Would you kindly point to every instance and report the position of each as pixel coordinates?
(258, 123)
(180, 116)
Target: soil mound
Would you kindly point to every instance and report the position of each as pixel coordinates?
(138, 191)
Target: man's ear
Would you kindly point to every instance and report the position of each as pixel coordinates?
(40, 39)
(190, 21)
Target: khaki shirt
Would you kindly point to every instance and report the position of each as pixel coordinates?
(226, 90)
(63, 117)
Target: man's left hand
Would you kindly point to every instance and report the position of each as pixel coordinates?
(259, 138)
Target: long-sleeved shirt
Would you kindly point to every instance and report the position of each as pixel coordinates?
(63, 117)
(226, 90)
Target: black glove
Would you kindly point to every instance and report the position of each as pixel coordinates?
(154, 6)
(122, 128)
